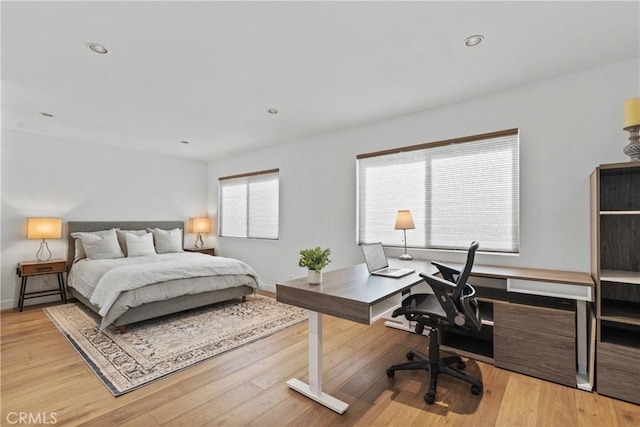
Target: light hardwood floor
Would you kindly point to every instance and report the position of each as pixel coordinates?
(42, 374)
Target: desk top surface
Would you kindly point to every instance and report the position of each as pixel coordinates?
(536, 274)
(355, 284)
(351, 292)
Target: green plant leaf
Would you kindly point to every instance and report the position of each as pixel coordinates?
(314, 258)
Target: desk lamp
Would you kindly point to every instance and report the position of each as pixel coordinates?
(199, 225)
(404, 222)
(632, 125)
(44, 228)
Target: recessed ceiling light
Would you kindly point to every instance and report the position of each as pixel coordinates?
(272, 111)
(473, 40)
(185, 142)
(98, 48)
(42, 113)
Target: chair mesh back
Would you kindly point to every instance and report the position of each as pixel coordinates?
(464, 275)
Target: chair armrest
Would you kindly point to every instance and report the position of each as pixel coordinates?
(446, 271)
(437, 283)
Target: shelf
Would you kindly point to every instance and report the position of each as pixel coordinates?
(620, 311)
(462, 345)
(620, 276)
(617, 187)
(491, 294)
(470, 342)
(486, 312)
(468, 354)
(629, 337)
(619, 212)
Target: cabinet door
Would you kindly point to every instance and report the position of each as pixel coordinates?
(539, 354)
(536, 341)
(619, 372)
(540, 319)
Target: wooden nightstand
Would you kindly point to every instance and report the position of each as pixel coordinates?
(208, 251)
(36, 268)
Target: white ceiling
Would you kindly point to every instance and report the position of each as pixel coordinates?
(207, 72)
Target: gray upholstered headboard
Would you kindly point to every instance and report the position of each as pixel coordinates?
(73, 226)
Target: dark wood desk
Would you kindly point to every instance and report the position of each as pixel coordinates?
(349, 293)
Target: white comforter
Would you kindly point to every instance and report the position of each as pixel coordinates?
(104, 280)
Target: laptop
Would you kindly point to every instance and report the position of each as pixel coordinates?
(377, 263)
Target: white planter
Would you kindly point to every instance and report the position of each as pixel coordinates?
(315, 277)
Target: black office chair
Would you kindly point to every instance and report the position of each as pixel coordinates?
(453, 305)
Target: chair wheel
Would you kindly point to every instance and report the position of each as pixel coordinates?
(390, 373)
(461, 365)
(430, 398)
(410, 356)
(476, 390)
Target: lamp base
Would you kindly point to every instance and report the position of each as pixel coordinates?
(43, 254)
(405, 257)
(632, 149)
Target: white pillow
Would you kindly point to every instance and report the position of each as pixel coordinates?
(122, 240)
(139, 244)
(167, 241)
(79, 247)
(101, 246)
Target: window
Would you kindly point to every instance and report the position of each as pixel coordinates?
(457, 191)
(250, 205)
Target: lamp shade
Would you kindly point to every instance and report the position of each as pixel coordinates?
(199, 225)
(631, 112)
(44, 228)
(404, 221)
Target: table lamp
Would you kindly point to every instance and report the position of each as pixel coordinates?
(44, 228)
(199, 225)
(404, 222)
(632, 125)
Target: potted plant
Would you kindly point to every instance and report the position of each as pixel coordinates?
(315, 259)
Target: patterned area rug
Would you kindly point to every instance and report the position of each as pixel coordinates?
(155, 348)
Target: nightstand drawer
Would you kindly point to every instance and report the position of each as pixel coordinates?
(47, 267)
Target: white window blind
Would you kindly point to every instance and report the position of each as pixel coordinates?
(249, 205)
(457, 191)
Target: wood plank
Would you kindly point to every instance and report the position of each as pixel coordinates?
(242, 387)
(520, 402)
(556, 407)
(594, 409)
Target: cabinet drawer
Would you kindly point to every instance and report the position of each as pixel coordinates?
(539, 354)
(618, 372)
(32, 269)
(532, 318)
(619, 357)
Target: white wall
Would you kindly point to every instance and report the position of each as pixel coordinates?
(79, 181)
(568, 125)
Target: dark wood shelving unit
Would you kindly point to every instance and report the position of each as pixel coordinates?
(615, 267)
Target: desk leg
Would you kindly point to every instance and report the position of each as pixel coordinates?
(582, 378)
(313, 390)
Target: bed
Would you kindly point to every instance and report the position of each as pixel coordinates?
(200, 281)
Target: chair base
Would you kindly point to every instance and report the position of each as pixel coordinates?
(436, 366)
